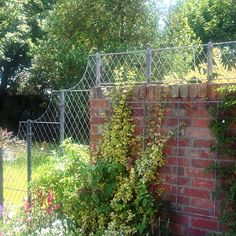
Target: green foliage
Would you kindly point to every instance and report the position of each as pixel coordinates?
(111, 196)
(223, 118)
(77, 28)
(210, 19)
(20, 23)
(222, 72)
(9, 141)
(177, 30)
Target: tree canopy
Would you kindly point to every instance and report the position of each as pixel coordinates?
(210, 20)
(45, 43)
(79, 27)
(20, 27)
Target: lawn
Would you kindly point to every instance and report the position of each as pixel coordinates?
(15, 171)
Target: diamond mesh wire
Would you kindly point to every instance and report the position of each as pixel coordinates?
(14, 177)
(224, 61)
(70, 117)
(178, 65)
(114, 65)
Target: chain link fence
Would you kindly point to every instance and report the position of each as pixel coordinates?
(67, 115)
(175, 65)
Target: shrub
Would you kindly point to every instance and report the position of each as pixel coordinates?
(109, 197)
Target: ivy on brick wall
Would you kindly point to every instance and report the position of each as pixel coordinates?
(131, 171)
(222, 126)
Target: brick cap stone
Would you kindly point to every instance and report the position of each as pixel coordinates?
(154, 91)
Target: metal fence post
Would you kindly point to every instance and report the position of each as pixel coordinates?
(149, 65)
(98, 69)
(29, 156)
(1, 181)
(62, 117)
(209, 61)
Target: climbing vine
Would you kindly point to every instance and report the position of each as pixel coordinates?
(222, 126)
(133, 208)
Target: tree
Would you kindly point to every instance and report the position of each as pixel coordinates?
(177, 31)
(79, 27)
(20, 27)
(211, 19)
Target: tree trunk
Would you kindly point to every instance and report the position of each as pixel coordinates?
(3, 84)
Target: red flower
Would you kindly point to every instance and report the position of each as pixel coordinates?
(27, 207)
(49, 210)
(56, 206)
(50, 198)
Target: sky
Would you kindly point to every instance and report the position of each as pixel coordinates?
(164, 5)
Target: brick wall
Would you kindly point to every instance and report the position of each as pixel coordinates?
(194, 211)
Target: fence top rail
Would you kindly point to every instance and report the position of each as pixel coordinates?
(164, 49)
(39, 122)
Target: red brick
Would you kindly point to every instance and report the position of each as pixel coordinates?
(212, 90)
(100, 112)
(200, 163)
(204, 123)
(180, 219)
(177, 229)
(168, 112)
(181, 142)
(165, 170)
(164, 130)
(169, 151)
(136, 103)
(197, 113)
(178, 170)
(180, 199)
(203, 183)
(198, 211)
(183, 200)
(185, 162)
(138, 112)
(166, 187)
(202, 203)
(195, 232)
(204, 223)
(198, 132)
(95, 138)
(93, 129)
(197, 173)
(138, 131)
(203, 143)
(171, 161)
(202, 92)
(196, 153)
(98, 120)
(171, 122)
(183, 180)
(137, 121)
(151, 92)
(99, 103)
(170, 179)
(201, 193)
(94, 112)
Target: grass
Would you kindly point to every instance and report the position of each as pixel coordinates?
(15, 172)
